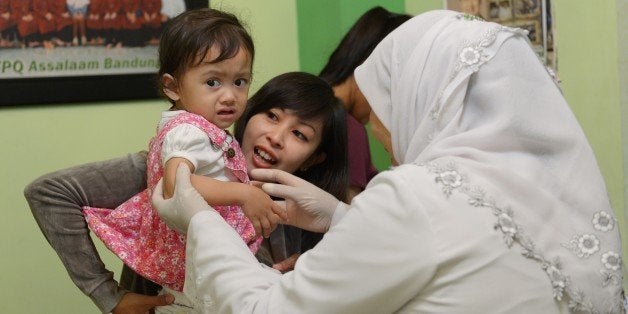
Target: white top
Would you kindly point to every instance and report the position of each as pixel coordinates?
(499, 206)
(78, 3)
(393, 252)
(189, 142)
(452, 88)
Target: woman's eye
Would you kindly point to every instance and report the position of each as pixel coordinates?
(213, 83)
(271, 115)
(300, 135)
(241, 82)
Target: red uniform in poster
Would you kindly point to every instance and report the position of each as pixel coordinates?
(60, 11)
(44, 17)
(151, 10)
(23, 12)
(6, 24)
(6, 18)
(113, 16)
(95, 14)
(131, 20)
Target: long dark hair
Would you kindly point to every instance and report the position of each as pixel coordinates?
(310, 98)
(359, 42)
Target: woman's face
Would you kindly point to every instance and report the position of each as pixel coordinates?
(279, 139)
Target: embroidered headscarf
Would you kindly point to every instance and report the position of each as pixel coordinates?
(472, 100)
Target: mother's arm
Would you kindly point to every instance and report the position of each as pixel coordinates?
(56, 200)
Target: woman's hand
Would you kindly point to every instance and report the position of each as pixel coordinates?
(287, 264)
(185, 202)
(308, 207)
(133, 303)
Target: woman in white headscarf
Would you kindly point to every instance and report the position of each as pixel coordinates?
(497, 205)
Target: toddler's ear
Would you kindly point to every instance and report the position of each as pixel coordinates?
(170, 87)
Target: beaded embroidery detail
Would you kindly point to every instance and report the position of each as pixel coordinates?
(452, 181)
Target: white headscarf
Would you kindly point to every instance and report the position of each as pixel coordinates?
(472, 101)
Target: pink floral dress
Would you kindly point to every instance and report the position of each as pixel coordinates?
(136, 234)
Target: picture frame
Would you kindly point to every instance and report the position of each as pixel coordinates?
(80, 73)
(535, 16)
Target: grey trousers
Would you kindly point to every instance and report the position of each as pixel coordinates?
(56, 200)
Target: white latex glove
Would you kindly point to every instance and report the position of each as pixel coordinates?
(185, 202)
(308, 207)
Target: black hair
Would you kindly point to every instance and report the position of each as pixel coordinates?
(359, 42)
(186, 39)
(310, 98)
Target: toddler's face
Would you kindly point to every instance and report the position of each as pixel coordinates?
(215, 91)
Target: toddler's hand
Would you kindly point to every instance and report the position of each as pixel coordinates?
(263, 212)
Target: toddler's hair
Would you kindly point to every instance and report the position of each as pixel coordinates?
(187, 38)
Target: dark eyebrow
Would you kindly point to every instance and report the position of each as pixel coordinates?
(301, 121)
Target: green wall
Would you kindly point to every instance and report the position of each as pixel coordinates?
(588, 56)
(289, 35)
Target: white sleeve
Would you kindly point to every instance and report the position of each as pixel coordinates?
(189, 142)
(375, 259)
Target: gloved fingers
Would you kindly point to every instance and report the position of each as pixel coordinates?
(283, 206)
(158, 193)
(278, 176)
(280, 211)
(182, 178)
(282, 191)
(164, 208)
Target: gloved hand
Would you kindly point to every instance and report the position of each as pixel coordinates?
(308, 207)
(185, 202)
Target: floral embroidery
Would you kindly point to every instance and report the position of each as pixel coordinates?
(507, 227)
(450, 180)
(603, 221)
(469, 17)
(611, 260)
(583, 245)
(609, 277)
(472, 56)
(558, 280)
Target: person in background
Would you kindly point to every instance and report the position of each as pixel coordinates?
(94, 23)
(131, 23)
(78, 11)
(46, 21)
(151, 21)
(63, 23)
(370, 28)
(7, 25)
(22, 12)
(112, 23)
(496, 205)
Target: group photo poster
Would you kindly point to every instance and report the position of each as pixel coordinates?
(55, 51)
(532, 15)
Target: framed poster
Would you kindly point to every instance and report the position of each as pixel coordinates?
(532, 15)
(64, 51)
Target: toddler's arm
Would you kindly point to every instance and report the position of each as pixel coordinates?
(255, 203)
